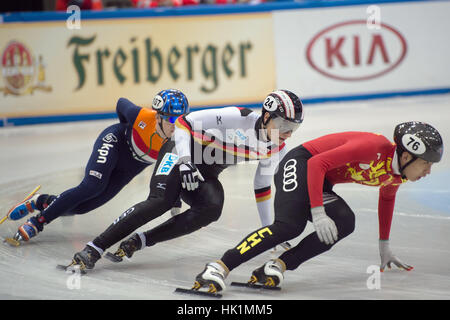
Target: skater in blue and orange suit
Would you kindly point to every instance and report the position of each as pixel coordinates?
(121, 152)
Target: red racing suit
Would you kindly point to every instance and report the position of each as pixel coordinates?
(359, 157)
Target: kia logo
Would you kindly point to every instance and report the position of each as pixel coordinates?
(350, 51)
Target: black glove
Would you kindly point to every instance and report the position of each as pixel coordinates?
(190, 176)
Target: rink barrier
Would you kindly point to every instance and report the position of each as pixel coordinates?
(21, 121)
(205, 10)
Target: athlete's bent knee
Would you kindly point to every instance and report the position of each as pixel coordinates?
(346, 226)
(214, 212)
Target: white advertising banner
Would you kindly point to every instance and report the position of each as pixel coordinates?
(363, 49)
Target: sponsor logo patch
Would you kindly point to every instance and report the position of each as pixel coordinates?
(103, 152)
(290, 176)
(109, 138)
(142, 125)
(167, 164)
(96, 174)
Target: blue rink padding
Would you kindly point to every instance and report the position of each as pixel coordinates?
(191, 10)
(20, 121)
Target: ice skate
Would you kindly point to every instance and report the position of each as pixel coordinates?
(270, 274)
(30, 228)
(126, 249)
(26, 231)
(82, 260)
(86, 258)
(212, 276)
(23, 208)
(15, 241)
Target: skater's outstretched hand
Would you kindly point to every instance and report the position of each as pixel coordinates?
(387, 257)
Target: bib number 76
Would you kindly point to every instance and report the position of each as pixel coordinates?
(413, 144)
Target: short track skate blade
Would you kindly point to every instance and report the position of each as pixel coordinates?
(4, 219)
(61, 267)
(12, 242)
(112, 257)
(254, 286)
(198, 293)
(70, 268)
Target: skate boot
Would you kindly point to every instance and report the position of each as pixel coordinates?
(212, 276)
(126, 249)
(23, 208)
(270, 274)
(28, 230)
(86, 258)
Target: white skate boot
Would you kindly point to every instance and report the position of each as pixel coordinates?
(212, 276)
(270, 274)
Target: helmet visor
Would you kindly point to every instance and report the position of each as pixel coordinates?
(284, 125)
(169, 118)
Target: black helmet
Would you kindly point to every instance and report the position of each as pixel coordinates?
(419, 139)
(283, 104)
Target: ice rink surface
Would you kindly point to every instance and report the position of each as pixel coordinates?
(54, 156)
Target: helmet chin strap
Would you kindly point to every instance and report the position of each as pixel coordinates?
(263, 124)
(162, 128)
(402, 168)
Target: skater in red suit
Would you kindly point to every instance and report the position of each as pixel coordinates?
(304, 192)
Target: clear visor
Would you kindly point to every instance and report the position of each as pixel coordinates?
(284, 125)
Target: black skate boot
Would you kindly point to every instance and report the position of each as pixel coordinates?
(126, 249)
(86, 258)
(270, 274)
